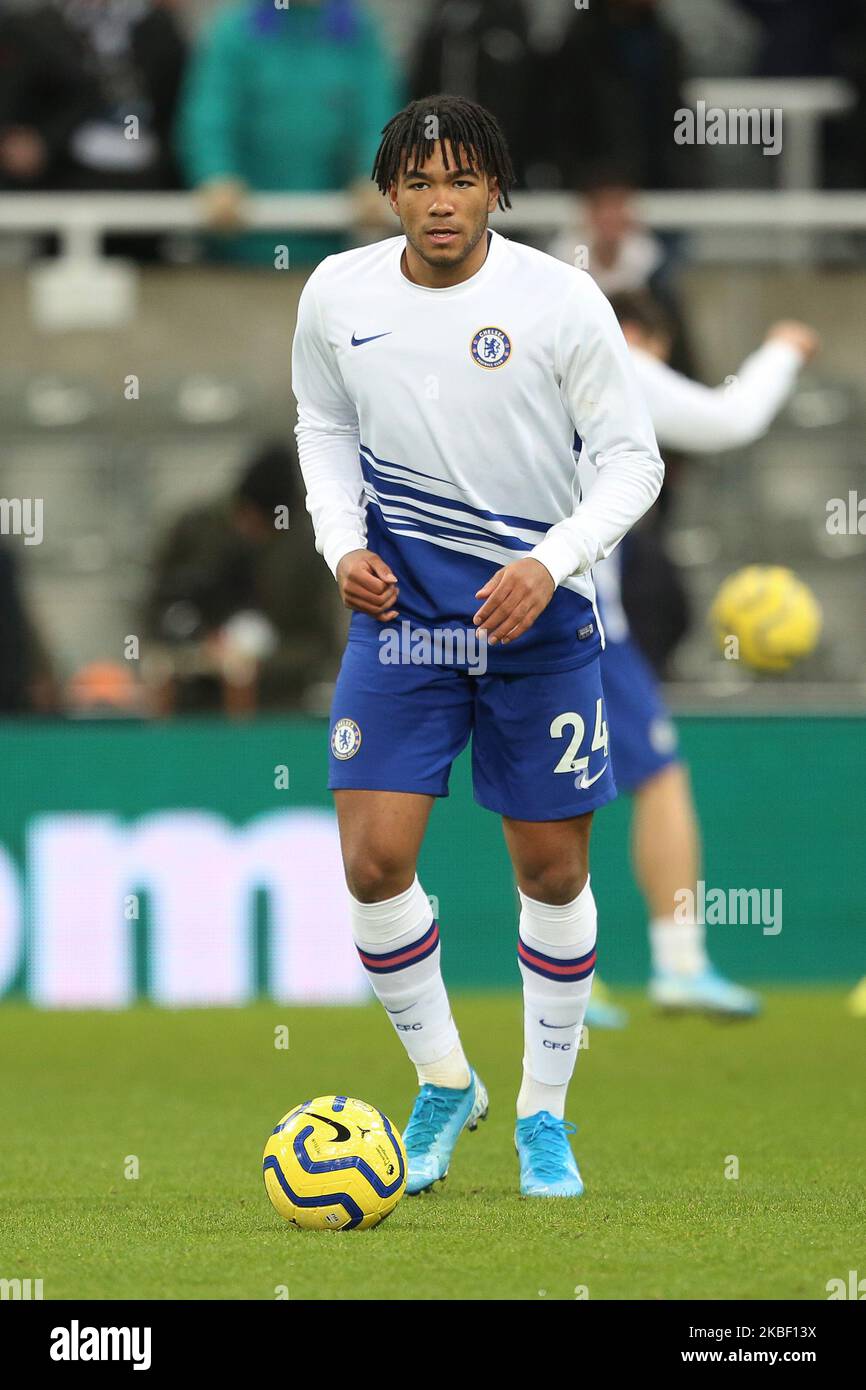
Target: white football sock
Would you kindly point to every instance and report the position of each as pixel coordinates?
(398, 942)
(556, 952)
(453, 1071)
(677, 948)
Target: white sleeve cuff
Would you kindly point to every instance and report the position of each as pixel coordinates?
(563, 554)
(338, 546)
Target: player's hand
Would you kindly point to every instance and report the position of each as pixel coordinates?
(367, 584)
(797, 335)
(514, 598)
(223, 204)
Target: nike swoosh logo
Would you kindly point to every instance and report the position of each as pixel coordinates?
(342, 1133)
(400, 1011)
(357, 342)
(557, 1025)
(588, 781)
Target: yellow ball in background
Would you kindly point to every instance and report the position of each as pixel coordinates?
(774, 616)
(334, 1164)
(857, 1000)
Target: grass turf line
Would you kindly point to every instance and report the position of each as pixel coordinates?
(660, 1107)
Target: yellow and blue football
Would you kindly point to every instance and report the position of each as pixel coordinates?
(334, 1164)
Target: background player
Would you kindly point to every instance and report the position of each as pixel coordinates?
(440, 378)
(665, 835)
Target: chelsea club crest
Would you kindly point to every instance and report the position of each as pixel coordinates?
(345, 739)
(491, 347)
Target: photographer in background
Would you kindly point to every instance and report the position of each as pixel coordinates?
(243, 620)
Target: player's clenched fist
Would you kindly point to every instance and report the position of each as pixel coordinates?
(514, 598)
(367, 584)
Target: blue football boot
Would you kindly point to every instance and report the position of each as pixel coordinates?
(706, 993)
(547, 1165)
(438, 1117)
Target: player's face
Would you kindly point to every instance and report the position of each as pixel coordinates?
(443, 210)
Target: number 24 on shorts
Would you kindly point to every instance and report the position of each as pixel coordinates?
(570, 760)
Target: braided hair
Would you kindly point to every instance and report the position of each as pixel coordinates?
(410, 137)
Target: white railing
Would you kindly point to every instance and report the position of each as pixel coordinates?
(798, 206)
(81, 219)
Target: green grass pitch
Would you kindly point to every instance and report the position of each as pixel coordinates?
(661, 1107)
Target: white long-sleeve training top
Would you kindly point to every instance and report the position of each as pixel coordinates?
(437, 428)
(700, 419)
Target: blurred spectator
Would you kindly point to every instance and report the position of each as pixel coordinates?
(718, 39)
(847, 138)
(805, 39)
(88, 90)
(614, 87)
(802, 38)
(285, 100)
(622, 256)
(105, 690)
(619, 253)
(27, 683)
(236, 599)
(480, 49)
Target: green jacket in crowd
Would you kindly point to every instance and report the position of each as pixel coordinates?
(286, 100)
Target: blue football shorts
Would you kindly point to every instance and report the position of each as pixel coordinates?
(643, 739)
(539, 740)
